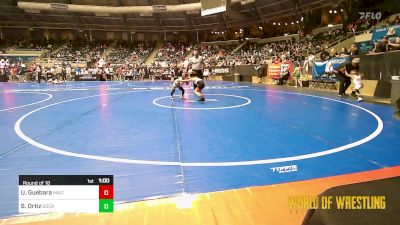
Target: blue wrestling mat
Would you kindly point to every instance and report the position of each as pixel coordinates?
(155, 146)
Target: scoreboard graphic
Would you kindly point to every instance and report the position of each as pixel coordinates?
(66, 193)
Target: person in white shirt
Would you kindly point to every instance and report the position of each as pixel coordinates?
(95, 71)
(101, 63)
(2, 66)
(206, 73)
(68, 71)
(107, 73)
(357, 79)
(197, 62)
(178, 84)
(111, 72)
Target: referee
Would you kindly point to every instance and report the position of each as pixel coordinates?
(197, 62)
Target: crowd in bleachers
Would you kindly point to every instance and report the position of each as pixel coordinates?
(370, 24)
(63, 72)
(13, 69)
(172, 53)
(390, 41)
(215, 55)
(386, 44)
(78, 52)
(295, 50)
(121, 54)
(30, 44)
(361, 25)
(126, 61)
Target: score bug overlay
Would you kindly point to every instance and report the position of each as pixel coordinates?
(66, 193)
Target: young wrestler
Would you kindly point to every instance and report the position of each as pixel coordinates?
(357, 84)
(198, 85)
(356, 76)
(178, 84)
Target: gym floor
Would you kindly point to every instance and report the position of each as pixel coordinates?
(243, 135)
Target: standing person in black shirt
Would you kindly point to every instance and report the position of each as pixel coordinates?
(344, 80)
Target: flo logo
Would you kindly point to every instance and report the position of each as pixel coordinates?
(370, 15)
(284, 169)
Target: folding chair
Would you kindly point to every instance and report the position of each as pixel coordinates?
(331, 81)
(315, 82)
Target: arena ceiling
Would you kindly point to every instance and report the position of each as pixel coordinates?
(237, 15)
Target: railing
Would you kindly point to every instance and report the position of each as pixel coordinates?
(228, 42)
(26, 49)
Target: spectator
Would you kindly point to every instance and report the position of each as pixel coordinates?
(324, 55)
(59, 72)
(297, 75)
(381, 46)
(68, 71)
(285, 73)
(2, 67)
(396, 45)
(384, 44)
(13, 73)
(38, 72)
(354, 50)
(333, 52)
(344, 52)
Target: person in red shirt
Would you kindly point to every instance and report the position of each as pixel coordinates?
(119, 73)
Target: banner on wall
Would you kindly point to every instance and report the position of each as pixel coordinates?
(284, 68)
(385, 31)
(221, 70)
(320, 68)
(365, 46)
(274, 70)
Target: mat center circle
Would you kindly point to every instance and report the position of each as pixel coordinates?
(214, 102)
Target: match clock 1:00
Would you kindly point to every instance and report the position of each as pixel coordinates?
(104, 180)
